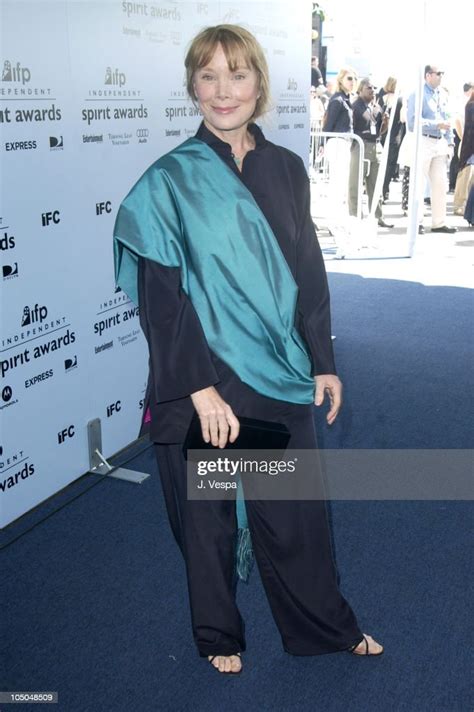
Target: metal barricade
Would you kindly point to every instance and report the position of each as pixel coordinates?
(326, 161)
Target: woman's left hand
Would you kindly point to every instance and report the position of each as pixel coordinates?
(330, 384)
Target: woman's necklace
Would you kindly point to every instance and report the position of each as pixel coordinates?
(238, 159)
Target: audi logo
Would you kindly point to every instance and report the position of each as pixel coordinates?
(142, 133)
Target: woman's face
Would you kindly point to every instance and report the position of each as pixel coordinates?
(348, 82)
(227, 99)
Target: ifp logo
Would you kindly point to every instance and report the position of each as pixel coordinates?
(15, 73)
(33, 315)
(114, 77)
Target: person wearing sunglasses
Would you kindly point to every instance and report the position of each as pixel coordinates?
(370, 122)
(339, 120)
(437, 144)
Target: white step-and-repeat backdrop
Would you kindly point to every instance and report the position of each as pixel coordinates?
(91, 93)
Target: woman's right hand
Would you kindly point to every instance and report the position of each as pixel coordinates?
(216, 416)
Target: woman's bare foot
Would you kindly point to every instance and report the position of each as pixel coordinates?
(368, 646)
(226, 663)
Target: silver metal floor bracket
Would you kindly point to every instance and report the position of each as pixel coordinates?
(98, 465)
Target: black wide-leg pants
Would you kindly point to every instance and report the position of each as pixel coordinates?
(292, 547)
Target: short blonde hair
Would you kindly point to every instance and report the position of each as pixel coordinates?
(238, 45)
(343, 72)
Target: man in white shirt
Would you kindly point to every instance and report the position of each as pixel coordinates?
(437, 142)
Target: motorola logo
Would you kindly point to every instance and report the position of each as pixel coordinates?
(115, 77)
(56, 143)
(70, 364)
(7, 394)
(10, 271)
(15, 73)
(33, 315)
(51, 217)
(101, 208)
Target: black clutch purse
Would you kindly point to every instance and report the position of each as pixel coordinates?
(254, 435)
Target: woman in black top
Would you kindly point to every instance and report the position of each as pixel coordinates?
(228, 78)
(339, 119)
(387, 102)
(339, 111)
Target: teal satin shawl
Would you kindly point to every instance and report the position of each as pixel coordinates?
(189, 210)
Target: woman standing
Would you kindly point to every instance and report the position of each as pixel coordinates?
(234, 305)
(339, 120)
(388, 102)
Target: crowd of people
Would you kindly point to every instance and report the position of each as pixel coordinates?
(354, 106)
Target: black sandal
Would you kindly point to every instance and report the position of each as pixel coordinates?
(364, 639)
(224, 672)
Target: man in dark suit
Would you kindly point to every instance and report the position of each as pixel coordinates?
(369, 123)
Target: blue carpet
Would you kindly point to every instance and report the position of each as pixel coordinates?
(94, 599)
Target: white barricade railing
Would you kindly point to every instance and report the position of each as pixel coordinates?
(329, 173)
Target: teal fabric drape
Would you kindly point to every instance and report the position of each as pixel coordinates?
(189, 210)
